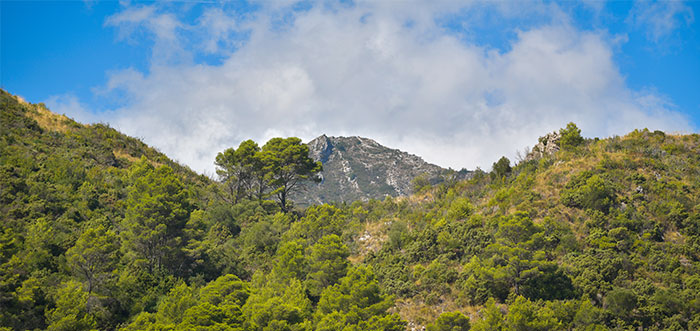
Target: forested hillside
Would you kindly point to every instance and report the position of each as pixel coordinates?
(101, 232)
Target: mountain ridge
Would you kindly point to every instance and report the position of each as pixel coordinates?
(359, 168)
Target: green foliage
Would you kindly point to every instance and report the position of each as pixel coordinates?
(570, 136)
(523, 314)
(500, 168)
(491, 318)
(217, 306)
(621, 302)
(227, 289)
(327, 264)
(72, 309)
(320, 221)
(241, 172)
(420, 183)
(279, 305)
(460, 209)
(589, 191)
(291, 261)
(354, 301)
(158, 209)
(279, 168)
(517, 228)
(94, 255)
(455, 321)
(206, 316)
(174, 305)
(286, 164)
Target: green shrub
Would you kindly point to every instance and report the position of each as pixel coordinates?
(588, 191)
(454, 321)
(570, 136)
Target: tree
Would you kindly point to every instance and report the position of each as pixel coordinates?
(172, 307)
(278, 304)
(287, 165)
(492, 318)
(71, 311)
(419, 183)
(327, 263)
(319, 221)
(158, 209)
(227, 289)
(501, 168)
(620, 302)
(354, 300)
(219, 305)
(240, 171)
(206, 316)
(93, 255)
(460, 209)
(291, 261)
(524, 314)
(589, 191)
(570, 136)
(455, 321)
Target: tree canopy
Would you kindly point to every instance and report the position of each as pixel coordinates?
(279, 168)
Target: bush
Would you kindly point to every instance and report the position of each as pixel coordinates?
(570, 136)
(455, 321)
(501, 168)
(588, 191)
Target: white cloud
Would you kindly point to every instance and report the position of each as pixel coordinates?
(361, 70)
(163, 27)
(218, 28)
(660, 18)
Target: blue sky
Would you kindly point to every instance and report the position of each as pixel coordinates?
(432, 78)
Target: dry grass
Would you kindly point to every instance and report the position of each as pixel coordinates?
(122, 154)
(371, 239)
(418, 313)
(48, 120)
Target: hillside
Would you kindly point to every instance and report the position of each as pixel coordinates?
(601, 234)
(100, 231)
(356, 168)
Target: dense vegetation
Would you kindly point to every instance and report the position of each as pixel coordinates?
(101, 232)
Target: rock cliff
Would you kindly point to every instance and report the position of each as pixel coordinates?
(356, 168)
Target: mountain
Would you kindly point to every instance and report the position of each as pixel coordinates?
(356, 168)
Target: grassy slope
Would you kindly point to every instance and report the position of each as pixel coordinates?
(109, 146)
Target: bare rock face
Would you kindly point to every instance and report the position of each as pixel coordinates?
(320, 149)
(356, 168)
(547, 145)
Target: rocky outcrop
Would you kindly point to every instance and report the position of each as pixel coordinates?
(356, 168)
(547, 145)
(320, 149)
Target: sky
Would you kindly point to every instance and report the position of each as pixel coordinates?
(458, 83)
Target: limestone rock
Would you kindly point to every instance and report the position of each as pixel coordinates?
(547, 145)
(357, 168)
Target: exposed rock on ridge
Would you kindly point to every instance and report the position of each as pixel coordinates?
(547, 145)
(356, 168)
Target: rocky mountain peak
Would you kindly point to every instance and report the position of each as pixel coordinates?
(358, 168)
(320, 149)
